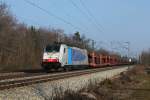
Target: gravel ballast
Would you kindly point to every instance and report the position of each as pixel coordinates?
(46, 90)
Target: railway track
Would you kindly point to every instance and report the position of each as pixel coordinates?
(40, 78)
(6, 76)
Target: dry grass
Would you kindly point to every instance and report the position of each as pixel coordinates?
(126, 87)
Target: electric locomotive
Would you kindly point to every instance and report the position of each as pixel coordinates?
(57, 56)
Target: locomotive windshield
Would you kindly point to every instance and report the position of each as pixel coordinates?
(52, 48)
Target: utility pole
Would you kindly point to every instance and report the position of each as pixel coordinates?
(111, 46)
(128, 48)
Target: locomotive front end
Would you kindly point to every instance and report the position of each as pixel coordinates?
(51, 57)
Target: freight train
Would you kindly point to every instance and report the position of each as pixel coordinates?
(57, 56)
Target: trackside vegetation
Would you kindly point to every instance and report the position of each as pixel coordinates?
(145, 58)
(132, 85)
(21, 46)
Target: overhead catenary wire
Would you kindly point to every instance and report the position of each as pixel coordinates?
(72, 18)
(85, 14)
(90, 14)
(53, 15)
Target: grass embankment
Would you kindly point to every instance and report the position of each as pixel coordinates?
(143, 91)
(132, 85)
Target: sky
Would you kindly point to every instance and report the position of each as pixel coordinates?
(110, 21)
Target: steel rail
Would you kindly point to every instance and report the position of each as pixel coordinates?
(18, 82)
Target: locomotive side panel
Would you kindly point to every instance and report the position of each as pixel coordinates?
(77, 56)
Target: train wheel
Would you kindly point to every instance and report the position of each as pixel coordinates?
(67, 69)
(47, 69)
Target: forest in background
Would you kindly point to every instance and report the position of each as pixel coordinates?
(145, 57)
(21, 46)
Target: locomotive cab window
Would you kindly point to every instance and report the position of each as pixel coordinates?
(52, 48)
(64, 50)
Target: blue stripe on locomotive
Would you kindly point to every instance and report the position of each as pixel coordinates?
(69, 55)
(75, 55)
(78, 55)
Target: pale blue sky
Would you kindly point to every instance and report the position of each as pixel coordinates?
(121, 20)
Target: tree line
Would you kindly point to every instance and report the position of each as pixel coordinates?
(21, 46)
(145, 57)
